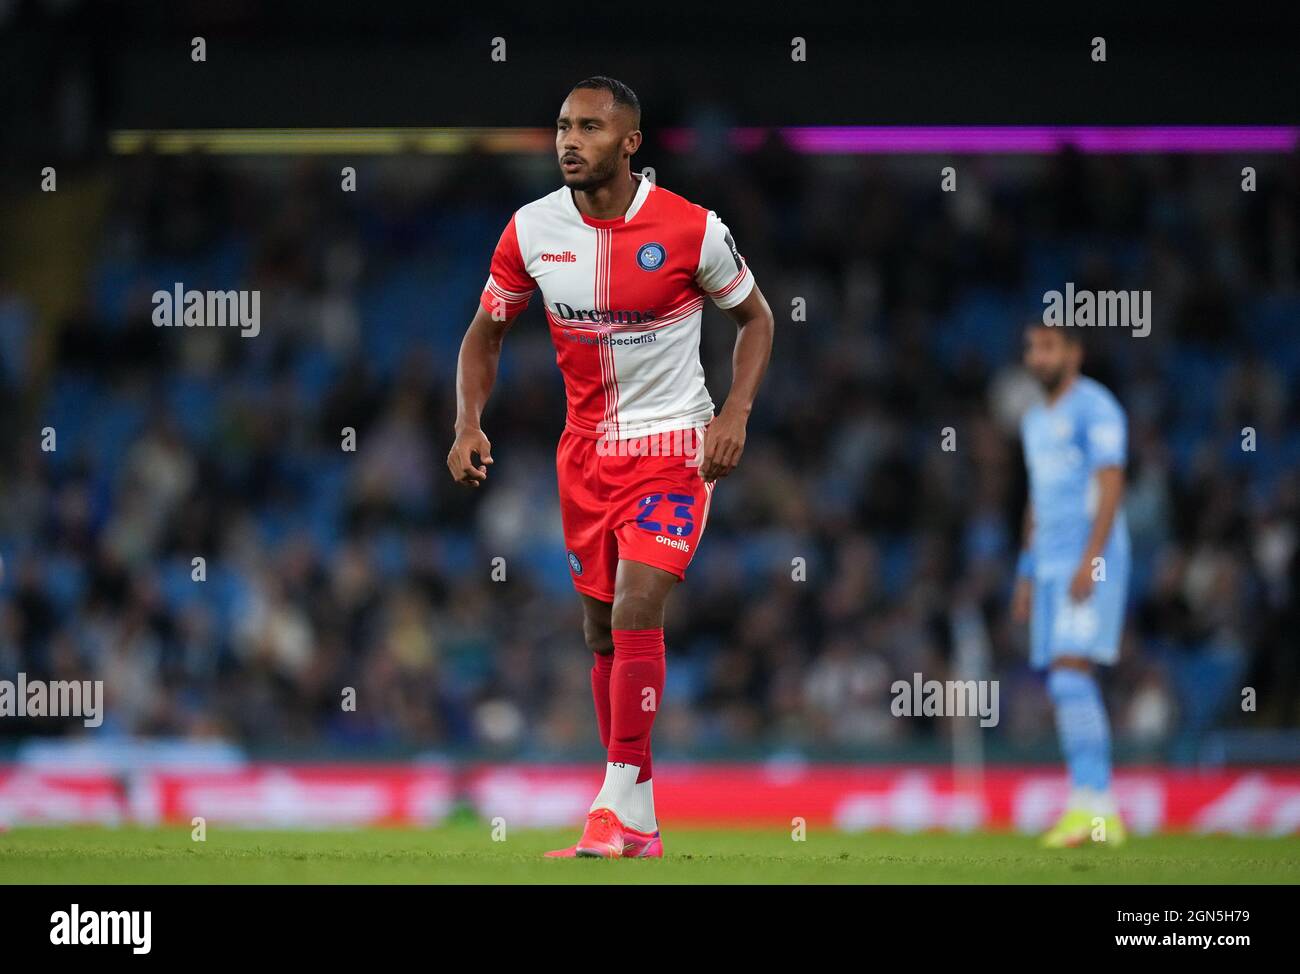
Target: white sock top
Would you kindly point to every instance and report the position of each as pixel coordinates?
(616, 793)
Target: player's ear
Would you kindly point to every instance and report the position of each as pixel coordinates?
(632, 142)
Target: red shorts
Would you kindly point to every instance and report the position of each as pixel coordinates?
(615, 504)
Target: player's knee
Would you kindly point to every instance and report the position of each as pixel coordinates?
(600, 637)
(1064, 682)
(637, 608)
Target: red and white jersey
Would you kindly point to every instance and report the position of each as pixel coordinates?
(624, 299)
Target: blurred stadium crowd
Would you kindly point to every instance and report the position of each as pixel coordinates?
(327, 568)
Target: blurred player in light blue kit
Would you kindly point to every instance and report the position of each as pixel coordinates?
(1072, 578)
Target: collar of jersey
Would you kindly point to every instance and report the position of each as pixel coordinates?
(638, 200)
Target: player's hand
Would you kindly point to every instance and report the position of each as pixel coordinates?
(724, 442)
(461, 462)
(1022, 600)
(1081, 584)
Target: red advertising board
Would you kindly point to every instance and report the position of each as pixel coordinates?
(844, 797)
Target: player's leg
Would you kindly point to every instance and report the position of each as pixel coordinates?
(593, 560)
(658, 509)
(600, 641)
(1084, 733)
(642, 834)
(1084, 634)
(642, 840)
(636, 688)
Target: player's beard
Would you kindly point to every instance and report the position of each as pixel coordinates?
(1051, 381)
(598, 174)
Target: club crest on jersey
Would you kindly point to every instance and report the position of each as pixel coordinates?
(575, 564)
(651, 256)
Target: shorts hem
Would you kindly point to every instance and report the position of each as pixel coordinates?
(593, 592)
(1046, 664)
(662, 566)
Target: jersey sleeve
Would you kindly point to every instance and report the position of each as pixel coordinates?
(723, 274)
(509, 286)
(1107, 434)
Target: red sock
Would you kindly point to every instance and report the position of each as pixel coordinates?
(644, 774)
(636, 690)
(600, 671)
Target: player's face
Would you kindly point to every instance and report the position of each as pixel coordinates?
(1049, 357)
(592, 137)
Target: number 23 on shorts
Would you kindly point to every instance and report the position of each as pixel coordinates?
(684, 519)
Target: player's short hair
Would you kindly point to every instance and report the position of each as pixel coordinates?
(622, 94)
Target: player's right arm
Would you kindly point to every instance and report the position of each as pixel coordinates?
(476, 373)
(505, 294)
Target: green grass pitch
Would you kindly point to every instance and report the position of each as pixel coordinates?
(466, 853)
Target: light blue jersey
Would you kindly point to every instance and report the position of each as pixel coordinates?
(1065, 444)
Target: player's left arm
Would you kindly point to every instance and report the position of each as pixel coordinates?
(1110, 485)
(1107, 442)
(725, 440)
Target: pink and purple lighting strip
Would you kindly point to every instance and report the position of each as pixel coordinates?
(1009, 139)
